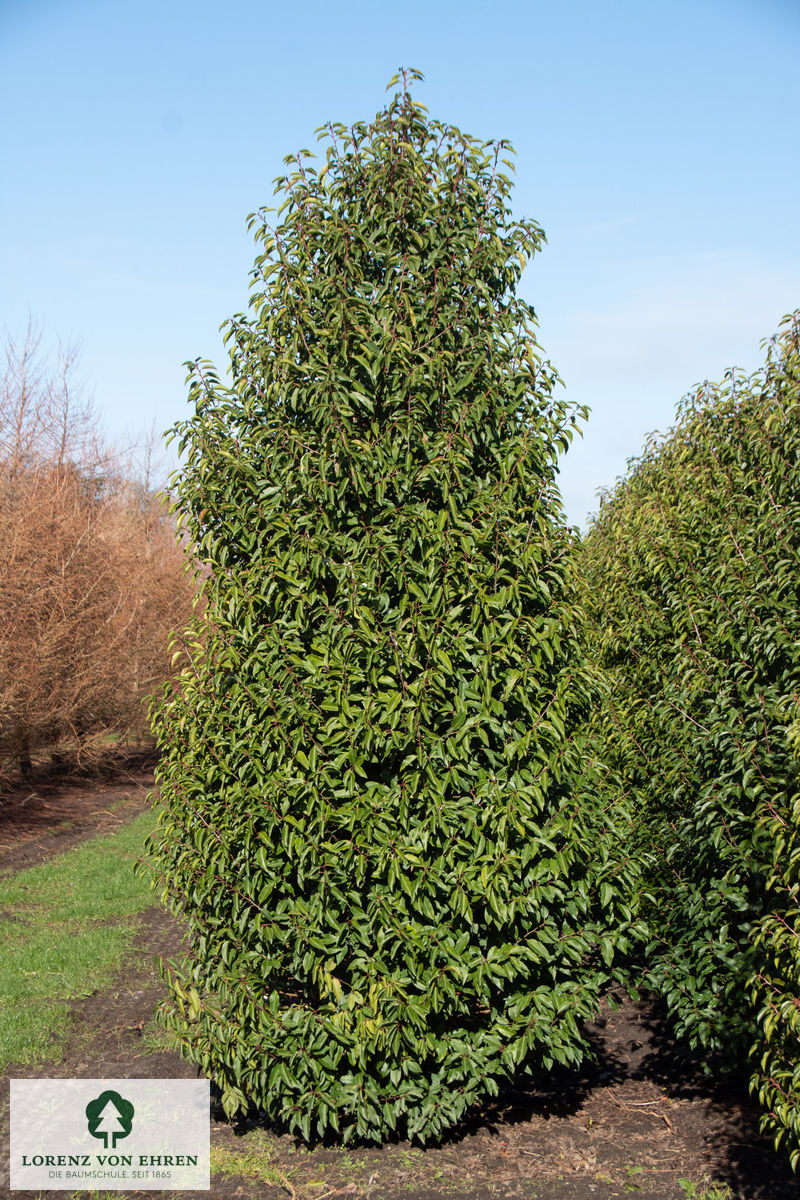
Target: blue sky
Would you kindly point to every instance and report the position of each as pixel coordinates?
(656, 144)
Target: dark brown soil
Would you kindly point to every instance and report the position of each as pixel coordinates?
(632, 1124)
(58, 809)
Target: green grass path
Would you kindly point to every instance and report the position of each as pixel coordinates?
(65, 926)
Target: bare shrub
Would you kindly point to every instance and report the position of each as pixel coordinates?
(91, 577)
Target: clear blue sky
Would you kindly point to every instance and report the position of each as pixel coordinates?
(657, 144)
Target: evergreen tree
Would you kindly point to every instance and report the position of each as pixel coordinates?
(776, 983)
(379, 817)
(691, 575)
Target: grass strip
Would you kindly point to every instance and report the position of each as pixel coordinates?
(64, 927)
(253, 1160)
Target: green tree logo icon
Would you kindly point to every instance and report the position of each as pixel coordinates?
(110, 1117)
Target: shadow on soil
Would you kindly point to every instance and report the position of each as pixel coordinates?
(630, 1122)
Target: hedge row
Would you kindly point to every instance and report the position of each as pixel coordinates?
(691, 570)
(407, 877)
(776, 983)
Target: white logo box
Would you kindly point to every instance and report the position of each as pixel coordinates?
(110, 1134)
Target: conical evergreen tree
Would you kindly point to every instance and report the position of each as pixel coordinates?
(378, 814)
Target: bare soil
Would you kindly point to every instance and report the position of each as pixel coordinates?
(59, 807)
(632, 1123)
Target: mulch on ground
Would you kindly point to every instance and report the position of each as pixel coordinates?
(632, 1123)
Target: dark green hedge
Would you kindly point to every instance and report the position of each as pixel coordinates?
(776, 984)
(693, 579)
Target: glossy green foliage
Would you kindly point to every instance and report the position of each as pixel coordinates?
(692, 573)
(776, 985)
(378, 812)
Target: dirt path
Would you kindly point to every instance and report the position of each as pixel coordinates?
(51, 815)
(630, 1125)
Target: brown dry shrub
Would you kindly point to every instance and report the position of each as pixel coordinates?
(91, 577)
